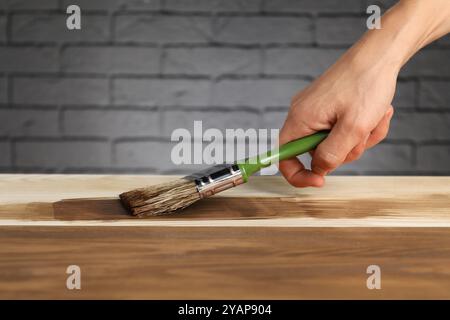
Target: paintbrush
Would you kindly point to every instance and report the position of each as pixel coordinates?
(168, 197)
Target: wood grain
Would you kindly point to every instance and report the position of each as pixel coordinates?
(264, 240)
(224, 263)
(17, 188)
(264, 202)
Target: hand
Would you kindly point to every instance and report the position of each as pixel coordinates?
(353, 99)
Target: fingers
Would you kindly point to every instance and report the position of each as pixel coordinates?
(381, 130)
(376, 136)
(356, 152)
(292, 169)
(346, 142)
(298, 176)
(333, 151)
(293, 129)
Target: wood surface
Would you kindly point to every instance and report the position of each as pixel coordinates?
(84, 200)
(263, 240)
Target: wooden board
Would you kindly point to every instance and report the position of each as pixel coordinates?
(263, 241)
(232, 263)
(83, 200)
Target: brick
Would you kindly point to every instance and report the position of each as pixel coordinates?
(255, 93)
(308, 6)
(211, 61)
(383, 158)
(2, 28)
(61, 155)
(161, 92)
(263, 30)
(39, 27)
(162, 29)
(340, 30)
(30, 4)
(434, 158)
(114, 5)
(302, 61)
(111, 123)
(445, 40)
(428, 62)
(420, 126)
(28, 59)
(3, 88)
(138, 154)
(174, 119)
(434, 94)
(405, 95)
(134, 130)
(28, 122)
(274, 119)
(143, 154)
(5, 154)
(113, 60)
(213, 5)
(64, 91)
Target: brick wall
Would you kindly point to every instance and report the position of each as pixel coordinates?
(106, 98)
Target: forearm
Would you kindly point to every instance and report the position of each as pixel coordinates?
(406, 28)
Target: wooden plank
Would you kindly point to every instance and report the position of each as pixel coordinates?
(265, 202)
(224, 263)
(243, 212)
(263, 240)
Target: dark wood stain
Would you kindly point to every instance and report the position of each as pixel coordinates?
(90, 209)
(27, 211)
(221, 208)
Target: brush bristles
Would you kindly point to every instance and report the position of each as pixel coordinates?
(161, 199)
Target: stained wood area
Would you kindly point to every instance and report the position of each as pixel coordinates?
(262, 240)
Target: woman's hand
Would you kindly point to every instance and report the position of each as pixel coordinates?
(353, 97)
(354, 100)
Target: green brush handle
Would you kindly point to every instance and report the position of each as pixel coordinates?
(287, 151)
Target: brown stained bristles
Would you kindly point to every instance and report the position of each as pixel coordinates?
(161, 199)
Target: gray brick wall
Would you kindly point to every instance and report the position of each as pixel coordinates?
(107, 98)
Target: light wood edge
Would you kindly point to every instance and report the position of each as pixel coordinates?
(276, 223)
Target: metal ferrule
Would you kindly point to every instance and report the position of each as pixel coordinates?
(219, 181)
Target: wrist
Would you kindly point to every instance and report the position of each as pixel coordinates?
(372, 56)
(406, 28)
